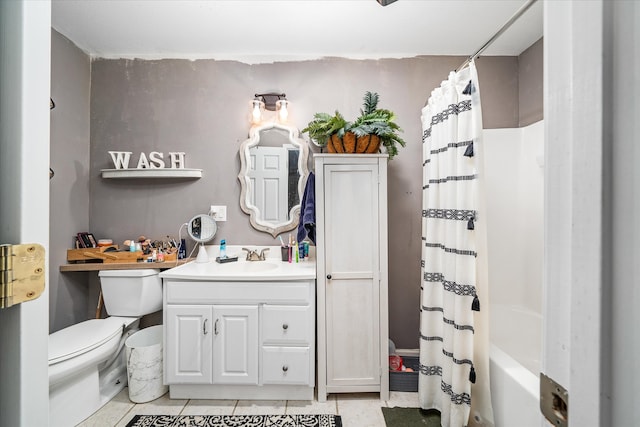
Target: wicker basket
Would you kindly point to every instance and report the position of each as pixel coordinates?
(349, 143)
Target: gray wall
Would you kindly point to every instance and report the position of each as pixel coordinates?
(201, 108)
(69, 188)
(622, 196)
(530, 84)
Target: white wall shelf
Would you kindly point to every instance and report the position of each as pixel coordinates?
(152, 173)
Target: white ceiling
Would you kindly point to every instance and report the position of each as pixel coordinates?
(256, 31)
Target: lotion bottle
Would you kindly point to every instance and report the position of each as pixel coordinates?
(223, 248)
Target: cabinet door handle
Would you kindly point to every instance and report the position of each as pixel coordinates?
(285, 368)
(204, 327)
(215, 327)
(329, 276)
(285, 326)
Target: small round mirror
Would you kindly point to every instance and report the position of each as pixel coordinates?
(202, 228)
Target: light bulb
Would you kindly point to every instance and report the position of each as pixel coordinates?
(256, 111)
(283, 111)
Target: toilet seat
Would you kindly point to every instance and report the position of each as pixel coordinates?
(83, 337)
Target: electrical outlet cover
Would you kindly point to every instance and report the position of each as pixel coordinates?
(219, 213)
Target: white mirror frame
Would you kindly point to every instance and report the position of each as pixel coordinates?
(245, 183)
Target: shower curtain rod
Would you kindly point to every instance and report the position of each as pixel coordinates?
(507, 24)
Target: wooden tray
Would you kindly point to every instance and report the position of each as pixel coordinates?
(103, 255)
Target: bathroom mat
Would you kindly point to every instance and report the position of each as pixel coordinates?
(410, 417)
(322, 420)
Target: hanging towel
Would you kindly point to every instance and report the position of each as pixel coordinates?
(307, 223)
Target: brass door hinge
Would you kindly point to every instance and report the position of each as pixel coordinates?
(21, 273)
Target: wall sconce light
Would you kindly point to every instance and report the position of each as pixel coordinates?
(270, 99)
(270, 102)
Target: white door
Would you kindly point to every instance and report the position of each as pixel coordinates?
(235, 344)
(269, 175)
(591, 208)
(352, 274)
(189, 344)
(25, 61)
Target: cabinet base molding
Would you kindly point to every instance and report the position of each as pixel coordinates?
(353, 388)
(322, 395)
(240, 392)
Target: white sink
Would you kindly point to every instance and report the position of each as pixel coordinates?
(272, 269)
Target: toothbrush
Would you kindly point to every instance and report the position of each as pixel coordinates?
(281, 241)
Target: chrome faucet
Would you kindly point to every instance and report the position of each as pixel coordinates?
(253, 255)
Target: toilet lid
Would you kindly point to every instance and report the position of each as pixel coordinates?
(82, 337)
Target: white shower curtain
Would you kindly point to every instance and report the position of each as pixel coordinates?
(453, 330)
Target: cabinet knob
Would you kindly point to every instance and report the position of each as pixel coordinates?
(329, 276)
(204, 327)
(285, 326)
(285, 368)
(215, 327)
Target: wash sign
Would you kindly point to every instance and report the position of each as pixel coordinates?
(155, 160)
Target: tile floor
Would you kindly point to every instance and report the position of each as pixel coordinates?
(357, 409)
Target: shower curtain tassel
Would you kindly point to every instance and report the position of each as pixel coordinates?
(475, 305)
(470, 224)
(469, 89)
(472, 375)
(469, 151)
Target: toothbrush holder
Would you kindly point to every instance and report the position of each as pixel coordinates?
(284, 250)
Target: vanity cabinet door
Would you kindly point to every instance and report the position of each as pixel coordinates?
(235, 344)
(188, 344)
(352, 293)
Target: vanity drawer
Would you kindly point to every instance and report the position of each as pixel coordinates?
(286, 365)
(282, 324)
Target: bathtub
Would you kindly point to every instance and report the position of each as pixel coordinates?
(514, 363)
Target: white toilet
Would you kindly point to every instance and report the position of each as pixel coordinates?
(87, 366)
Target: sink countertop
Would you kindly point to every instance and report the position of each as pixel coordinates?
(272, 268)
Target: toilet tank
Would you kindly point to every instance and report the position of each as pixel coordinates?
(131, 293)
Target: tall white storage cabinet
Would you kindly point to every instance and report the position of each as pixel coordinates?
(352, 293)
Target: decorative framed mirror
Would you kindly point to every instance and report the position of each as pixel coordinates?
(273, 173)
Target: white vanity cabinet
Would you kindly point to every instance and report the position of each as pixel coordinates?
(212, 344)
(351, 219)
(239, 339)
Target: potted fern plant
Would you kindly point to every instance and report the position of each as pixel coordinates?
(374, 127)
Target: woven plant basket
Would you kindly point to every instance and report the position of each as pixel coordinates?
(349, 143)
